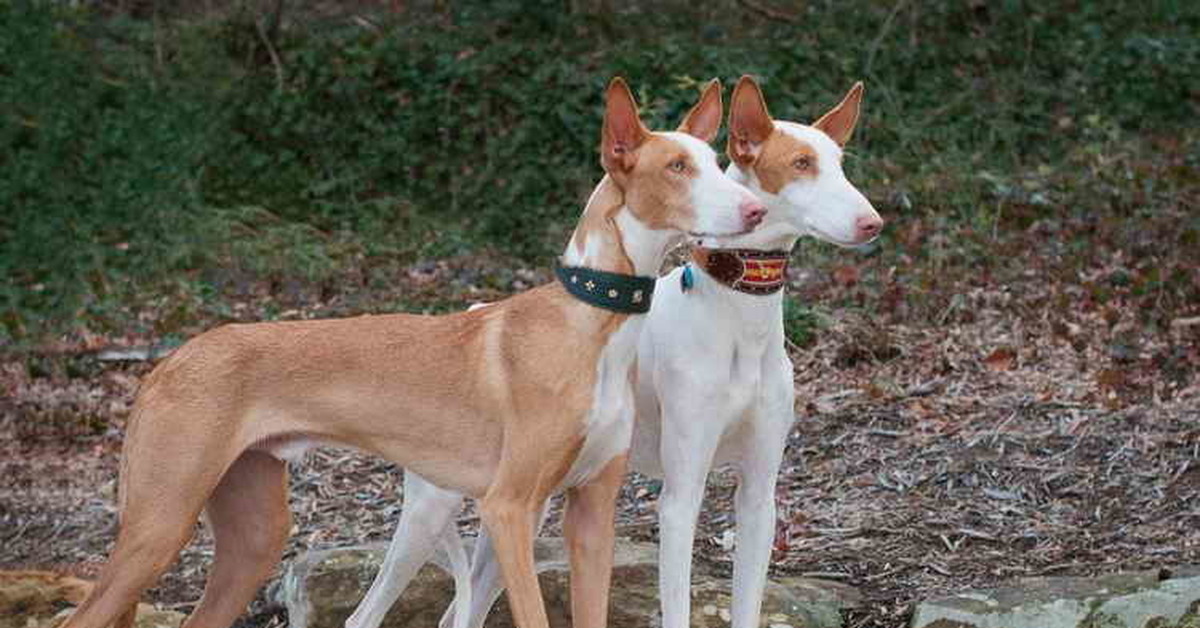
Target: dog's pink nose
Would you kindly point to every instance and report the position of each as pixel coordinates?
(753, 212)
(868, 227)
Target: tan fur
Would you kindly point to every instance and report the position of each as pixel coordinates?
(589, 509)
(622, 133)
(506, 429)
(641, 175)
(491, 402)
(662, 194)
(777, 163)
(704, 120)
(840, 121)
(597, 222)
(750, 123)
(776, 157)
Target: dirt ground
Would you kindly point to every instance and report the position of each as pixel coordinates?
(996, 435)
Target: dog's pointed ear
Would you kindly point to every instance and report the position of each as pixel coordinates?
(749, 122)
(623, 131)
(839, 123)
(704, 120)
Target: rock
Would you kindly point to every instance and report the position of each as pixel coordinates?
(322, 588)
(42, 599)
(150, 617)
(37, 596)
(1123, 600)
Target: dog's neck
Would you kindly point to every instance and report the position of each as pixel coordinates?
(609, 237)
(775, 234)
(752, 317)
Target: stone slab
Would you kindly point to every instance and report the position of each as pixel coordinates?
(1123, 600)
(43, 599)
(322, 588)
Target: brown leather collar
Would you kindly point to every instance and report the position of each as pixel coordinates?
(746, 270)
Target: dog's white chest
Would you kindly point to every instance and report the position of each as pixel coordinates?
(745, 374)
(609, 425)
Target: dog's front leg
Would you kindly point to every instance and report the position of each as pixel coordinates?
(759, 458)
(588, 528)
(755, 504)
(510, 522)
(687, 454)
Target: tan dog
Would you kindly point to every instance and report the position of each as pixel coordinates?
(506, 403)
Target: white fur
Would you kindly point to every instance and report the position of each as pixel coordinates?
(610, 423)
(721, 195)
(827, 207)
(426, 521)
(608, 428)
(715, 387)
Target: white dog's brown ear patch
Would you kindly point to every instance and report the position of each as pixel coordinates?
(840, 121)
(749, 122)
(623, 131)
(704, 120)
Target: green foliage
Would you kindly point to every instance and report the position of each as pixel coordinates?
(800, 323)
(130, 149)
(99, 170)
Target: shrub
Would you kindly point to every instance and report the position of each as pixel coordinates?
(129, 144)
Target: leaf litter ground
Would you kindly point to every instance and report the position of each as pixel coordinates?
(962, 420)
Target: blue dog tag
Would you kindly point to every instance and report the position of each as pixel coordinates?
(687, 280)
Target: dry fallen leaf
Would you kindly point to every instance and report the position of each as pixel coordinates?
(1112, 379)
(845, 275)
(1002, 359)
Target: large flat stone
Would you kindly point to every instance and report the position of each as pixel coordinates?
(322, 588)
(42, 599)
(1123, 600)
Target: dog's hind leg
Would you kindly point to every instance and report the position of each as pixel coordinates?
(158, 516)
(428, 511)
(135, 563)
(460, 568)
(486, 583)
(250, 521)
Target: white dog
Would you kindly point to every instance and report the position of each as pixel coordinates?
(715, 384)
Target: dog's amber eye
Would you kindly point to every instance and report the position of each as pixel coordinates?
(802, 163)
(678, 165)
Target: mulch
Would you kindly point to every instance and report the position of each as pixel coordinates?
(930, 456)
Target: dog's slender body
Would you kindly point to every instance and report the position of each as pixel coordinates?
(715, 384)
(506, 404)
